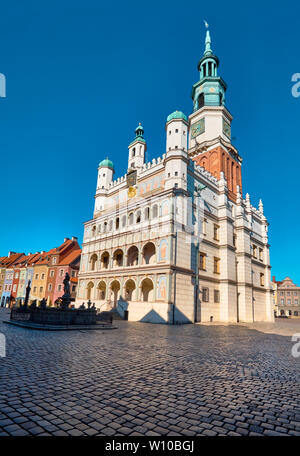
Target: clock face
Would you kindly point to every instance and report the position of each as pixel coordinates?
(131, 192)
(197, 128)
(226, 129)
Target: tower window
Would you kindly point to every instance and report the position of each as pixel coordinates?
(176, 147)
(176, 131)
(176, 173)
(104, 175)
(200, 100)
(169, 132)
(133, 152)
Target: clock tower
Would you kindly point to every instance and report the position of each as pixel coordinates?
(210, 124)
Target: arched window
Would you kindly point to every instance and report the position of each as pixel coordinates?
(133, 152)
(154, 211)
(104, 227)
(132, 256)
(129, 289)
(115, 291)
(147, 213)
(94, 259)
(117, 223)
(149, 253)
(89, 289)
(94, 230)
(147, 290)
(201, 100)
(104, 260)
(138, 217)
(101, 290)
(110, 225)
(130, 218)
(123, 221)
(118, 258)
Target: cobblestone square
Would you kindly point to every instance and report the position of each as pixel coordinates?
(145, 379)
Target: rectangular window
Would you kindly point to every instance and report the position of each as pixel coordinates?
(17, 275)
(36, 276)
(52, 273)
(61, 272)
(288, 302)
(254, 250)
(42, 276)
(296, 302)
(49, 287)
(54, 260)
(74, 288)
(15, 288)
(73, 273)
(34, 289)
(262, 279)
(261, 254)
(216, 296)
(216, 265)
(216, 232)
(234, 240)
(205, 294)
(282, 302)
(295, 293)
(41, 289)
(59, 288)
(204, 226)
(281, 293)
(289, 293)
(202, 261)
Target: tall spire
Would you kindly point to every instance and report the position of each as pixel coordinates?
(210, 89)
(208, 50)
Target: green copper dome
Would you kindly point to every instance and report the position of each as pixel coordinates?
(106, 164)
(177, 115)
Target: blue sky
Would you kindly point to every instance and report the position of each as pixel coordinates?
(81, 75)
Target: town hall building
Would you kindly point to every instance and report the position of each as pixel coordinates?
(174, 240)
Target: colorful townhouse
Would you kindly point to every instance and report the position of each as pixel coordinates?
(67, 264)
(7, 287)
(45, 270)
(2, 274)
(49, 271)
(26, 273)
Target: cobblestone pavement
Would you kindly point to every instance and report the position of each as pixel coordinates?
(145, 379)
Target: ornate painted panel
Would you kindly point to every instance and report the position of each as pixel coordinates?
(163, 250)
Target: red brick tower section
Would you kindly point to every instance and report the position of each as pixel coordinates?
(217, 160)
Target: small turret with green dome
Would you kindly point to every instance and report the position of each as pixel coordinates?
(210, 89)
(177, 115)
(106, 163)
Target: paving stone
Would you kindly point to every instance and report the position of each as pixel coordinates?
(142, 380)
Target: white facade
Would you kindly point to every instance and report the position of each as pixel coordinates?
(172, 242)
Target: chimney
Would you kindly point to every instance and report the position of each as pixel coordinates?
(29, 253)
(66, 239)
(273, 279)
(10, 254)
(74, 238)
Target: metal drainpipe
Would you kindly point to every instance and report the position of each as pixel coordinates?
(197, 282)
(175, 259)
(237, 293)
